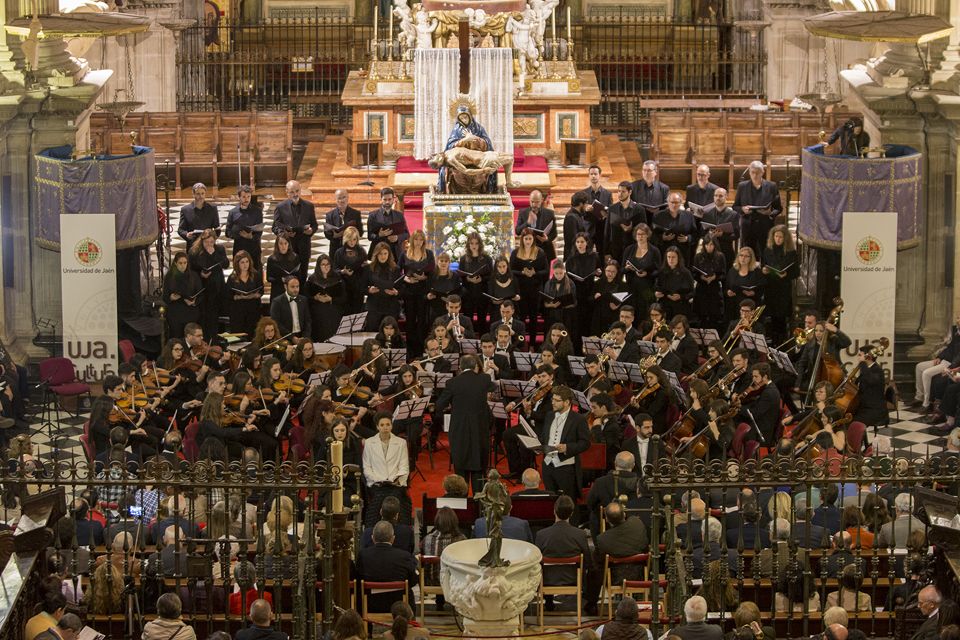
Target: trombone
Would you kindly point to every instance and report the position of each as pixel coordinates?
(740, 327)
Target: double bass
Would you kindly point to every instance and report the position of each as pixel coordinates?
(825, 366)
(847, 395)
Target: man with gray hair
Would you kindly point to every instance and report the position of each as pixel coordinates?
(804, 533)
(894, 534)
(712, 549)
(296, 219)
(68, 626)
(774, 560)
(928, 601)
(383, 562)
(649, 192)
(605, 489)
(696, 627)
(168, 626)
(758, 203)
(531, 485)
(339, 218)
(197, 216)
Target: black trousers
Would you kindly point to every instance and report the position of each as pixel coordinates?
(518, 456)
(561, 479)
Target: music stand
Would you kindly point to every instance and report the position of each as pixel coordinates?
(386, 380)
(516, 388)
(526, 360)
(577, 367)
(395, 357)
(581, 399)
(754, 341)
(675, 385)
(469, 346)
(413, 408)
(453, 359)
(647, 348)
(321, 377)
(442, 379)
(782, 360)
(498, 410)
(351, 324)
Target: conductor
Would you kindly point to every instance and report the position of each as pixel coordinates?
(470, 420)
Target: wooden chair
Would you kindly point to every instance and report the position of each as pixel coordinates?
(745, 147)
(740, 120)
(368, 587)
(166, 147)
(198, 150)
(671, 150)
(273, 147)
(427, 589)
(466, 517)
(774, 120)
(609, 588)
(709, 120)
(166, 119)
(642, 588)
(561, 590)
(234, 149)
(661, 120)
(782, 148)
(710, 148)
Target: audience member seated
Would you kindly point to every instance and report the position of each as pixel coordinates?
(625, 624)
(66, 628)
(513, 528)
(746, 616)
(170, 560)
(624, 537)
(168, 625)
(805, 533)
(454, 486)
(446, 531)
(404, 625)
(929, 601)
(852, 521)
(531, 485)
(178, 516)
(841, 555)
(713, 550)
(349, 626)
(66, 530)
(261, 617)
(849, 595)
(402, 533)
(794, 580)
(280, 518)
(749, 531)
(70, 584)
(696, 627)
(894, 534)
(89, 532)
(775, 558)
(718, 588)
(123, 555)
(52, 607)
(105, 595)
(383, 562)
(828, 515)
(118, 436)
(690, 533)
(245, 576)
(563, 540)
(622, 480)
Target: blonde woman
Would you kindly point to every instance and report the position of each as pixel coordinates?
(780, 268)
(350, 261)
(417, 266)
(105, 595)
(744, 282)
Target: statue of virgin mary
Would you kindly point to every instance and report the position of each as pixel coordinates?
(469, 133)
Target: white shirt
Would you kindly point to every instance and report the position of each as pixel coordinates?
(295, 314)
(643, 444)
(556, 431)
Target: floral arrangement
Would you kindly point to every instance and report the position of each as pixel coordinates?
(455, 235)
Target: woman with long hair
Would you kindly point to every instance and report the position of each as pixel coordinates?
(503, 285)
(327, 292)
(641, 264)
(674, 284)
(444, 283)
(446, 531)
(709, 268)
(404, 625)
(744, 281)
(475, 261)
(656, 399)
(350, 261)
(105, 596)
(208, 259)
(404, 388)
(389, 335)
(244, 289)
(417, 265)
(559, 298)
(781, 267)
(214, 424)
(302, 362)
(281, 264)
(530, 267)
(373, 367)
(583, 267)
(349, 626)
(383, 282)
(557, 337)
(268, 340)
(606, 307)
(182, 293)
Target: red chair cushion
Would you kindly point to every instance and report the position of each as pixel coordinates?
(71, 389)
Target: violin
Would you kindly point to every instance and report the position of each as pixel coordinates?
(704, 369)
(233, 419)
(354, 390)
(291, 383)
(207, 352)
(749, 393)
(541, 392)
(279, 345)
(119, 415)
(645, 392)
(412, 391)
(133, 401)
(262, 395)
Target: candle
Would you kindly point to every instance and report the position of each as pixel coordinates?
(569, 28)
(376, 21)
(390, 33)
(336, 461)
(554, 27)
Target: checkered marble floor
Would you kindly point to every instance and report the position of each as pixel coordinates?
(910, 437)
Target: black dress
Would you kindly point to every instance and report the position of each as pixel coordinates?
(753, 281)
(179, 313)
(582, 269)
(280, 267)
(352, 258)
(565, 292)
(474, 302)
(671, 281)
(708, 299)
(244, 314)
(415, 306)
(529, 286)
(325, 316)
(441, 286)
(777, 291)
(641, 287)
(603, 315)
(502, 289)
(381, 304)
(211, 302)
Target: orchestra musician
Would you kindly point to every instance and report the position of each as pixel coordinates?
(296, 220)
(337, 220)
(763, 409)
(664, 357)
(628, 316)
(872, 408)
(504, 342)
(541, 222)
(654, 322)
(683, 344)
(641, 444)
(621, 350)
(389, 335)
(534, 408)
(606, 428)
(836, 341)
(495, 364)
(744, 323)
(513, 324)
(653, 399)
(197, 216)
(595, 379)
(458, 325)
(245, 226)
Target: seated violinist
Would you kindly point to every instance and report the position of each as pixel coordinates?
(720, 430)
(347, 395)
(271, 374)
(211, 358)
(304, 362)
(404, 387)
(107, 413)
(534, 407)
(605, 427)
(760, 404)
(291, 311)
(653, 399)
(235, 430)
(595, 380)
(268, 340)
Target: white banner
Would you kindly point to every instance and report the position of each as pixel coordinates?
(868, 282)
(88, 264)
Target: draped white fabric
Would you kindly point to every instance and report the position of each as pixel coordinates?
(491, 86)
(436, 81)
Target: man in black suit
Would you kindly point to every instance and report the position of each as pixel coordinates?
(701, 191)
(690, 533)
(261, 619)
(765, 409)
(535, 411)
(642, 446)
(517, 329)
(621, 350)
(622, 216)
(649, 191)
(339, 218)
(758, 203)
(623, 480)
(469, 421)
(402, 533)
(598, 199)
(386, 224)
(458, 324)
(683, 345)
(539, 219)
(297, 220)
(563, 540)
(496, 365)
(828, 515)
(666, 359)
(928, 601)
(197, 216)
(696, 627)
(624, 537)
(566, 432)
(720, 213)
(241, 222)
(171, 559)
(438, 364)
(806, 534)
(383, 562)
(628, 316)
(291, 311)
(578, 220)
(748, 528)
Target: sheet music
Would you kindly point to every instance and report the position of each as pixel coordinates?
(577, 367)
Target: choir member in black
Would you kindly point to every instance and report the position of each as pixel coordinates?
(296, 220)
(744, 281)
(327, 292)
(744, 322)
(208, 260)
(534, 409)
(758, 203)
(675, 227)
(649, 191)
(621, 350)
(443, 283)
(684, 345)
(577, 220)
(701, 192)
(383, 286)
(722, 223)
(709, 268)
(475, 261)
(605, 425)
(606, 306)
(641, 264)
(243, 291)
(764, 407)
(836, 341)
(268, 340)
(386, 224)
(417, 265)
(282, 263)
(182, 293)
(403, 388)
(654, 322)
(389, 335)
(653, 399)
(336, 221)
(853, 139)
(542, 222)
(530, 267)
(245, 225)
(350, 261)
(197, 216)
(781, 268)
(583, 267)
(558, 338)
(503, 285)
(458, 324)
(511, 323)
(872, 410)
(599, 198)
(559, 298)
(674, 285)
(622, 216)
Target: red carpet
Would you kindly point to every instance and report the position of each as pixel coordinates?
(433, 485)
(522, 163)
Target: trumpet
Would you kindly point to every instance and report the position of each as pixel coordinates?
(513, 334)
(800, 338)
(457, 328)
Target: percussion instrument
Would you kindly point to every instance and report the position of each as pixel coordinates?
(329, 353)
(353, 344)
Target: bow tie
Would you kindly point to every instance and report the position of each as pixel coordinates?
(291, 298)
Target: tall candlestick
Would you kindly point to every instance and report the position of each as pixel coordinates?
(376, 25)
(554, 27)
(569, 28)
(336, 461)
(390, 33)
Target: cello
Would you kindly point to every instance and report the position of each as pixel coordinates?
(847, 395)
(825, 366)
